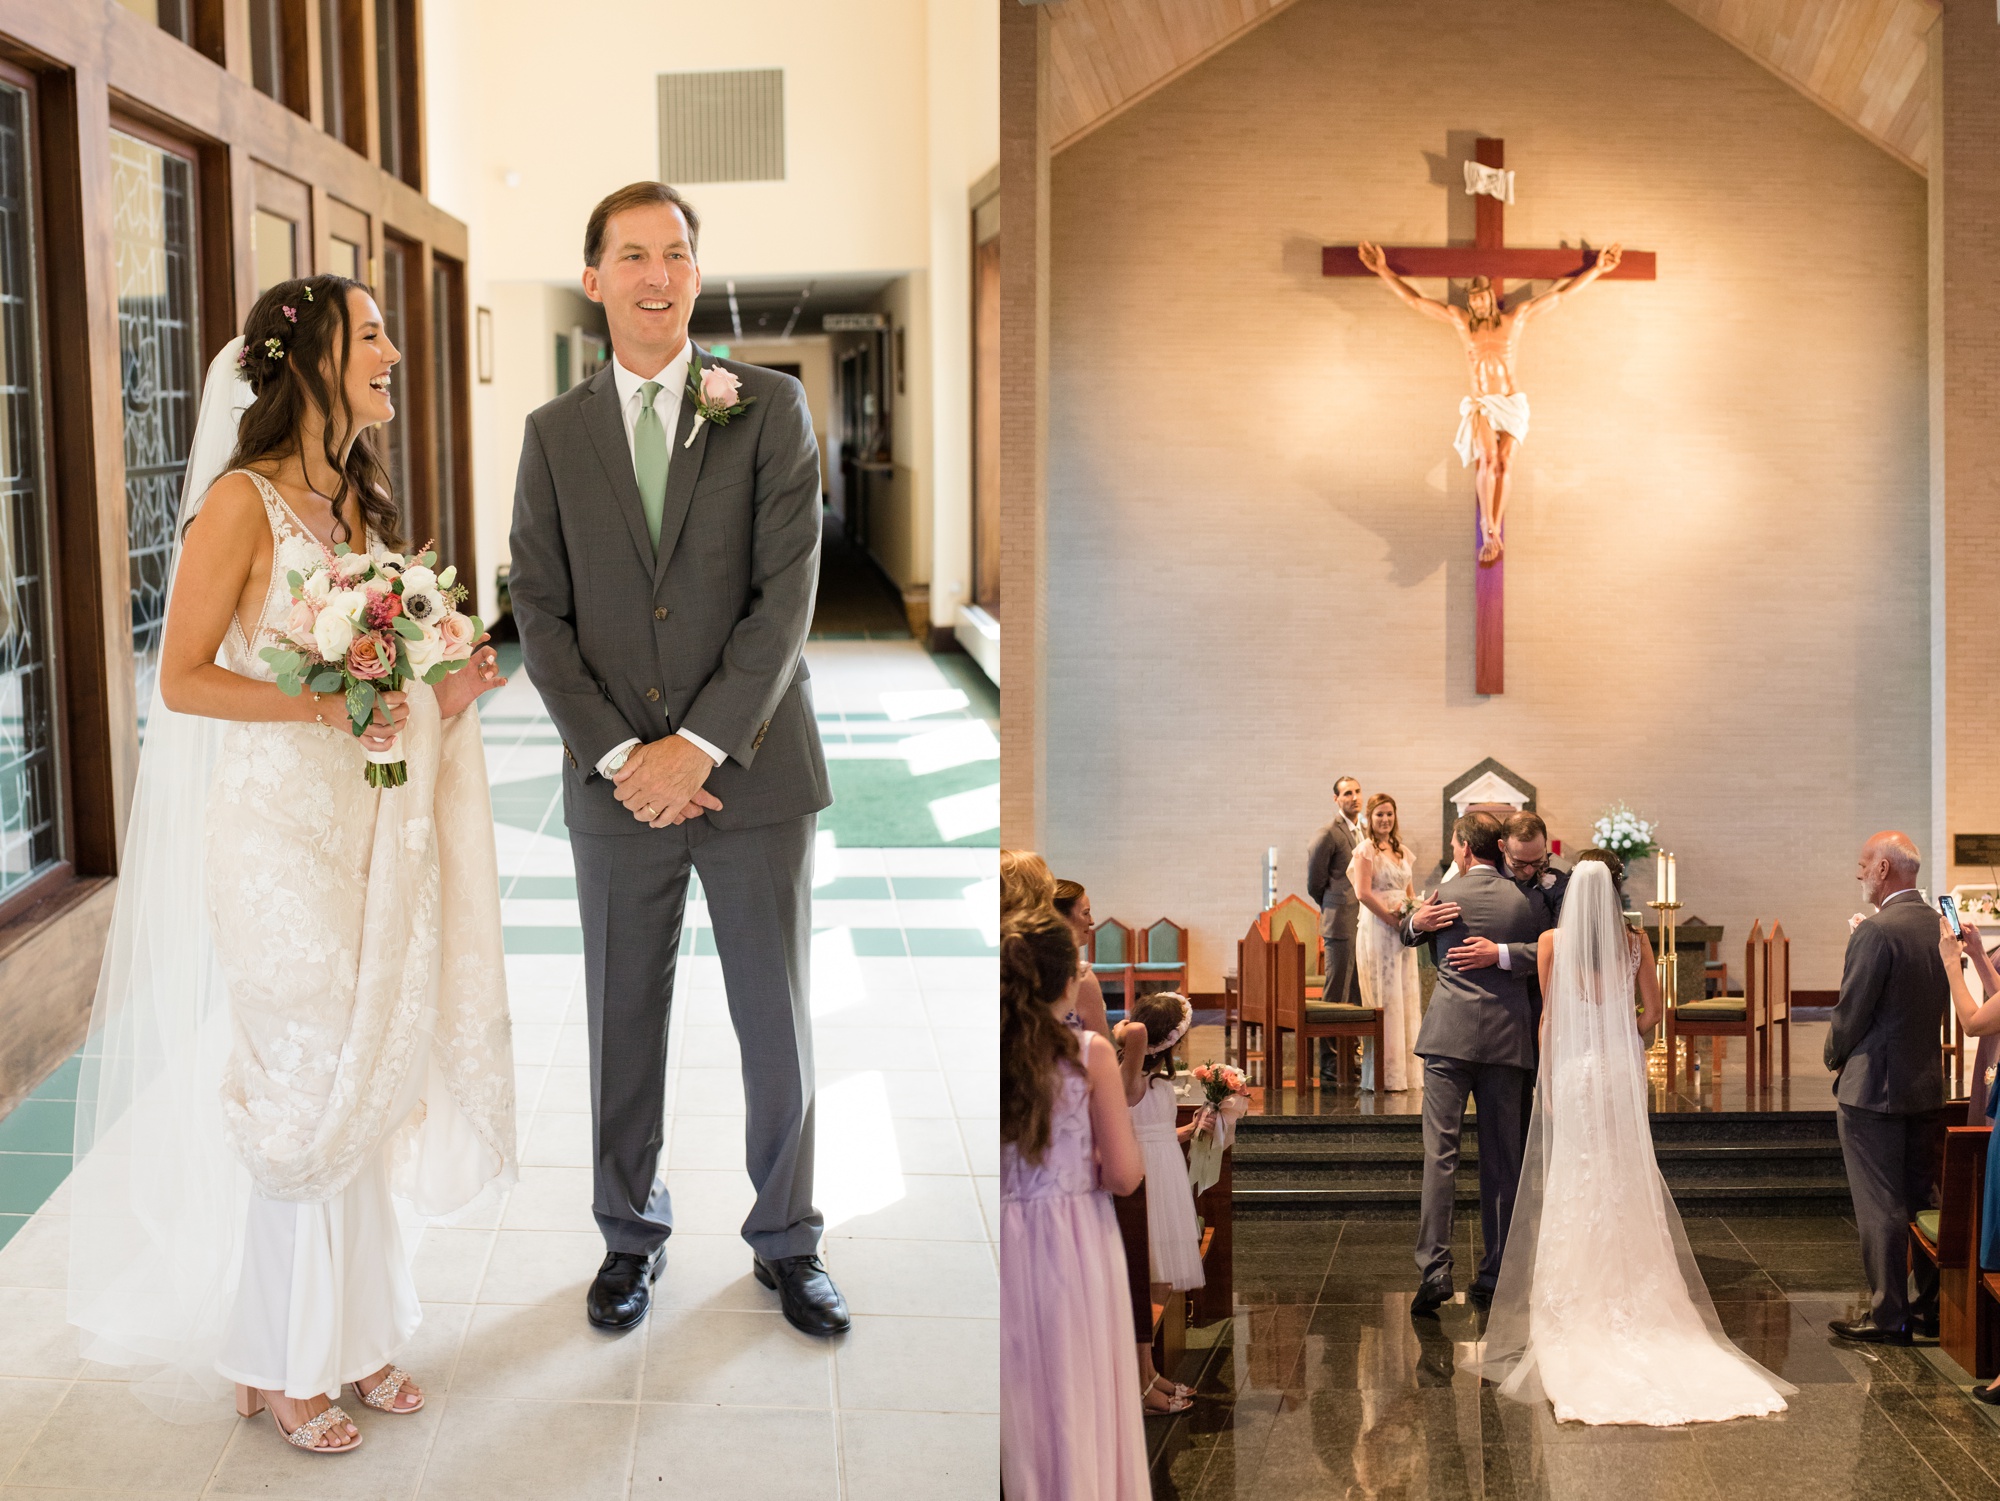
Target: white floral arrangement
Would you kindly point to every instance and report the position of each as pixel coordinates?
(1624, 833)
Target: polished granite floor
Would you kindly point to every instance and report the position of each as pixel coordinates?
(1323, 1385)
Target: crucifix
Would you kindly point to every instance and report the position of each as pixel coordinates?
(1493, 420)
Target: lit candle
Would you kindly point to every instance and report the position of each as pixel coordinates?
(1660, 875)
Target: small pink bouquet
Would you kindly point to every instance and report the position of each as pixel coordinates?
(1228, 1100)
(363, 626)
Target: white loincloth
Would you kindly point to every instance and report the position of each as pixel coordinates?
(1505, 414)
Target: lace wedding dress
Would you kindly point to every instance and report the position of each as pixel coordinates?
(303, 1004)
(1600, 1307)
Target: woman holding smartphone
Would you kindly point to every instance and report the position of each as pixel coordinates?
(1978, 1019)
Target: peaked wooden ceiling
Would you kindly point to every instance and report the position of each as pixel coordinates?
(1862, 60)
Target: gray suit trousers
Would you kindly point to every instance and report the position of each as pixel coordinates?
(1500, 1091)
(1889, 1173)
(632, 893)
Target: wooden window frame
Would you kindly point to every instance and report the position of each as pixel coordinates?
(451, 319)
(421, 504)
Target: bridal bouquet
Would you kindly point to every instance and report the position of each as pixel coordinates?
(1228, 1096)
(363, 626)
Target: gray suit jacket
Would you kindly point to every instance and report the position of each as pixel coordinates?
(1327, 883)
(1887, 1027)
(1481, 1015)
(710, 634)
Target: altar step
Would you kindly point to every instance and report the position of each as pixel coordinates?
(1308, 1167)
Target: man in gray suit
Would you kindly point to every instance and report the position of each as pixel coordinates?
(665, 560)
(1339, 905)
(1883, 1044)
(1478, 1041)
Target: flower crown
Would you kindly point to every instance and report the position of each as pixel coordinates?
(1187, 1020)
(274, 348)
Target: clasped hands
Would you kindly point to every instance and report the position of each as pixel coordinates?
(660, 783)
(1474, 953)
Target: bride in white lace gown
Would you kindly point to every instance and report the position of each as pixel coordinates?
(335, 1022)
(1600, 1307)
(1382, 877)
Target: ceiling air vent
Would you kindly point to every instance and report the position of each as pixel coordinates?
(723, 127)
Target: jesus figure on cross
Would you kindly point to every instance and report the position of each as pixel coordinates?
(1493, 420)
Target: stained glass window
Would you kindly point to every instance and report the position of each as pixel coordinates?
(153, 229)
(30, 835)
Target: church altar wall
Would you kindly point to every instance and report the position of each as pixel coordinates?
(1260, 570)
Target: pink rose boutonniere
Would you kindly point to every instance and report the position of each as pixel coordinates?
(715, 393)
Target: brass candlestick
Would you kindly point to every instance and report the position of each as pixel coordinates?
(1667, 963)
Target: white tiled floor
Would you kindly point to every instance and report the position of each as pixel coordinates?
(715, 1395)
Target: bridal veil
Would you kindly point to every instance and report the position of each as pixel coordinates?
(1600, 1306)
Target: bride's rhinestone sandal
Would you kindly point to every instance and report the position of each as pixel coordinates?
(250, 1402)
(383, 1398)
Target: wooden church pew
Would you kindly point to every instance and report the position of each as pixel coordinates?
(1948, 1238)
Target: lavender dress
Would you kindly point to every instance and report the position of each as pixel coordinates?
(1070, 1425)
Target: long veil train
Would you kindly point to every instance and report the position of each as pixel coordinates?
(1600, 1306)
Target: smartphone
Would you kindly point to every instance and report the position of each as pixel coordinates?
(1950, 910)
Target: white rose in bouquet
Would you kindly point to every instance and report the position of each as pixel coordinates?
(418, 579)
(348, 602)
(333, 633)
(318, 586)
(425, 652)
(352, 565)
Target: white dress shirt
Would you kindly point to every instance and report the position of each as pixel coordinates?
(667, 406)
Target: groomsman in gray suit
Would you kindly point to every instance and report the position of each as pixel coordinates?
(665, 560)
(1882, 1043)
(1478, 1042)
(1339, 905)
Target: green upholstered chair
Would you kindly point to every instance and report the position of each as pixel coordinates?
(1720, 1017)
(1948, 1238)
(1111, 960)
(1162, 957)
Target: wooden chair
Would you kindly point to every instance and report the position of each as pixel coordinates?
(1161, 958)
(1288, 1004)
(1774, 1010)
(1300, 917)
(1948, 1238)
(1111, 956)
(1725, 1016)
(1259, 1054)
(1320, 1018)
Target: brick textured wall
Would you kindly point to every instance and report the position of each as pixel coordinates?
(1966, 270)
(1259, 543)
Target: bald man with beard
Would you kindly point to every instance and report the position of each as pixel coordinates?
(1883, 1048)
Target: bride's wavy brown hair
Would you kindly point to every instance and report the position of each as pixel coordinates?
(295, 345)
(1037, 962)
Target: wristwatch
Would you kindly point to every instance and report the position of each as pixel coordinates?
(618, 759)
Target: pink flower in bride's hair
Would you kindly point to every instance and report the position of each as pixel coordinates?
(383, 607)
(456, 633)
(368, 658)
(719, 386)
(299, 624)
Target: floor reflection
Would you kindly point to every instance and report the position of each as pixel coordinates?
(1322, 1385)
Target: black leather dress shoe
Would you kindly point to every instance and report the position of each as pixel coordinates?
(623, 1289)
(1479, 1297)
(1865, 1332)
(1431, 1297)
(1923, 1328)
(812, 1304)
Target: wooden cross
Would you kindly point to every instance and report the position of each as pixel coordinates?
(1488, 256)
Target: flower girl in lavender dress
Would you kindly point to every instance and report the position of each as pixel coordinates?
(1070, 1428)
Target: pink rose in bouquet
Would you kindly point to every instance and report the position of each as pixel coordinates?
(368, 659)
(457, 633)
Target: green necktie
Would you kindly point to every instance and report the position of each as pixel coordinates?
(649, 460)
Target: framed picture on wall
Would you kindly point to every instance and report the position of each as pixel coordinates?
(484, 338)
